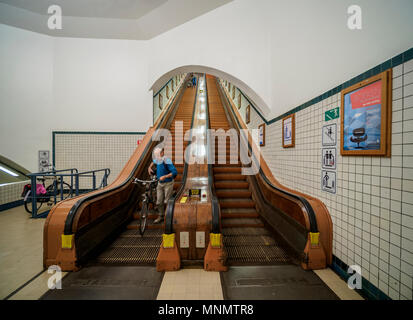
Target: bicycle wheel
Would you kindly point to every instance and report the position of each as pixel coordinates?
(28, 205)
(143, 218)
(67, 191)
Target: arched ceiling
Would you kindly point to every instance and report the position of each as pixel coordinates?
(259, 103)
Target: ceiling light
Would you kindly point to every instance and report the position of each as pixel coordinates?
(9, 172)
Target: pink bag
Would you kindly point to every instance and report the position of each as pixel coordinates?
(40, 189)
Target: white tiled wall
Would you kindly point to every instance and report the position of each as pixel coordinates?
(11, 192)
(372, 211)
(87, 152)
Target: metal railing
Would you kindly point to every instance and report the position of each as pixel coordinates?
(66, 184)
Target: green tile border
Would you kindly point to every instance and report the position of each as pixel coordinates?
(10, 205)
(54, 133)
(391, 63)
(368, 290)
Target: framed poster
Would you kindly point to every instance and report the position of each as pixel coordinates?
(247, 114)
(289, 131)
(160, 101)
(261, 134)
(239, 101)
(366, 117)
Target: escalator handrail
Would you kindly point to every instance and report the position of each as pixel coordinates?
(307, 206)
(73, 211)
(170, 208)
(214, 199)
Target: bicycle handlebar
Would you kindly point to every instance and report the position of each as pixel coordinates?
(136, 181)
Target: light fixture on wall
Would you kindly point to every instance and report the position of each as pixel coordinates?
(8, 171)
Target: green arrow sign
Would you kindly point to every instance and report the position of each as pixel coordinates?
(332, 114)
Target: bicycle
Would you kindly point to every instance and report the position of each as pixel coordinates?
(53, 190)
(148, 198)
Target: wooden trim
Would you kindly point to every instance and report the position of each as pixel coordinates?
(386, 116)
(263, 134)
(292, 144)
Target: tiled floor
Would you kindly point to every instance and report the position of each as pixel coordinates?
(21, 252)
(21, 249)
(191, 284)
(335, 283)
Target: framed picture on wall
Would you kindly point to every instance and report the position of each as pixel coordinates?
(247, 114)
(160, 101)
(261, 134)
(366, 117)
(288, 127)
(239, 101)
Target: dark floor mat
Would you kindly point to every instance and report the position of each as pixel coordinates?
(282, 282)
(109, 283)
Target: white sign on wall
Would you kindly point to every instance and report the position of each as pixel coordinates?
(329, 137)
(44, 160)
(328, 181)
(329, 158)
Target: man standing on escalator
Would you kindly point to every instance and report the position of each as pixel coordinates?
(166, 173)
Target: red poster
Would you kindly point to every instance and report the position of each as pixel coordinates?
(368, 96)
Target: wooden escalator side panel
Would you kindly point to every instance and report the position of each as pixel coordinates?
(288, 205)
(103, 200)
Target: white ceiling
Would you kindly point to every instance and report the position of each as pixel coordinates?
(114, 19)
(115, 9)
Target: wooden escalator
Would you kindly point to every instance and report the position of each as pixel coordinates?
(246, 238)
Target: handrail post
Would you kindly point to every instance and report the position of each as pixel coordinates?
(71, 182)
(55, 190)
(94, 180)
(61, 188)
(33, 191)
(77, 184)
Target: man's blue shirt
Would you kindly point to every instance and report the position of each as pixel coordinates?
(165, 167)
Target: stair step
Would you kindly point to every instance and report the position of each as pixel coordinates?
(239, 213)
(241, 223)
(134, 225)
(236, 203)
(228, 176)
(227, 169)
(225, 184)
(233, 193)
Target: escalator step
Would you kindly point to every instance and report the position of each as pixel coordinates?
(257, 254)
